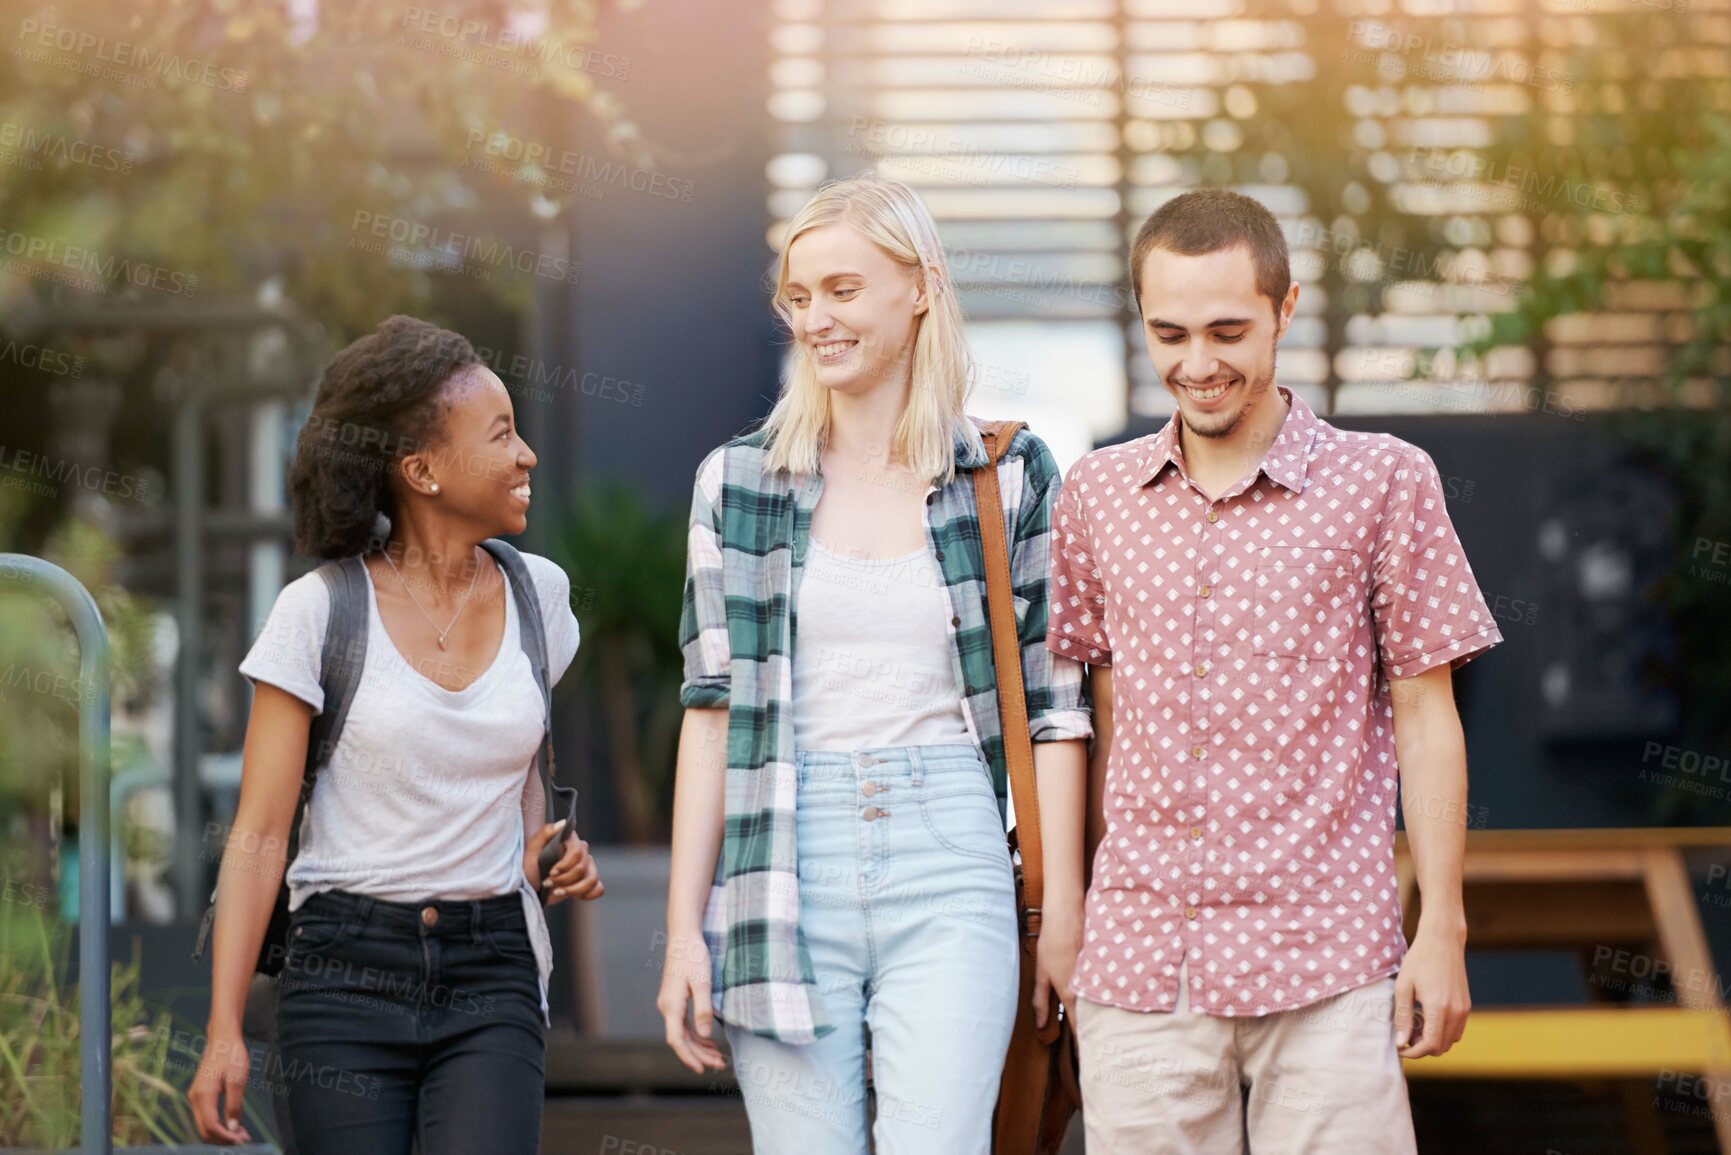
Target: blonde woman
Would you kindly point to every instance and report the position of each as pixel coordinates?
(838, 825)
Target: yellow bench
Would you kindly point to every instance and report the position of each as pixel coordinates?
(1583, 1043)
(1621, 897)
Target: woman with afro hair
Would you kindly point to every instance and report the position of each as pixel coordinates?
(413, 991)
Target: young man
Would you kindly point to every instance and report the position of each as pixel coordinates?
(1271, 608)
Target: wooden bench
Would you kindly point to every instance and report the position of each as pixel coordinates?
(1623, 900)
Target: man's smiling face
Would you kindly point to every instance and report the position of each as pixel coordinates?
(1211, 335)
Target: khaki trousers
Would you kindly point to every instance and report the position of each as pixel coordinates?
(1323, 1079)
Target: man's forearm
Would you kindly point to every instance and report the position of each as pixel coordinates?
(1099, 754)
(1438, 848)
(1433, 772)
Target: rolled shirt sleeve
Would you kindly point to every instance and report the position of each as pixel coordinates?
(1425, 602)
(1057, 708)
(703, 634)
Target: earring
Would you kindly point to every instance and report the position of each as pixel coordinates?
(435, 487)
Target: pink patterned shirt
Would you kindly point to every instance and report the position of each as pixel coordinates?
(1251, 785)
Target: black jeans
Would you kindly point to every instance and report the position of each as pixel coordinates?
(402, 1022)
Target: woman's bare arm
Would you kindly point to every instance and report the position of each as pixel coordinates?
(699, 815)
(272, 764)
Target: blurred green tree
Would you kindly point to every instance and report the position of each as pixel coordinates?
(1636, 154)
(627, 568)
(205, 146)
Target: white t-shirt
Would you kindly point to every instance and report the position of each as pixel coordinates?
(871, 663)
(423, 795)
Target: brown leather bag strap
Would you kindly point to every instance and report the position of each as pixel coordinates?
(1007, 659)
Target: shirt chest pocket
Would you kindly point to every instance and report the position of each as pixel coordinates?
(1311, 603)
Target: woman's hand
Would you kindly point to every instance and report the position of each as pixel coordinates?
(1055, 961)
(573, 876)
(219, 1089)
(685, 986)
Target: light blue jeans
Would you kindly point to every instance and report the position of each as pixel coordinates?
(908, 906)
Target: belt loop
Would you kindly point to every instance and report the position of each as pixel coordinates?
(918, 767)
(363, 908)
(475, 921)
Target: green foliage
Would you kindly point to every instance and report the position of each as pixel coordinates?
(226, 141)
(40, 689)
(627, 569)
(40, 1029)
(1683, 240)
(213, 145)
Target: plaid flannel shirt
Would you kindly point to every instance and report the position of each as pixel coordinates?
(748, 540)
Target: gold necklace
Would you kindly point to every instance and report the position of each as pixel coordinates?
(444, 633)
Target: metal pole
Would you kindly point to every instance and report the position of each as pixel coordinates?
(96, 1023)
(189, 622)
(265, 487)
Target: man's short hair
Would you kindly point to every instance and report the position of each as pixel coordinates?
(1210, 219)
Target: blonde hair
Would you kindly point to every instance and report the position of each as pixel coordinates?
(890, 215)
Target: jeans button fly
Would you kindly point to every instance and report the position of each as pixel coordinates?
(429, 916)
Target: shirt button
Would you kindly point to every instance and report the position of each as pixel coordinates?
(940, 555)
(1189, 912)
(931, 498)
(1196, 833)
(955, 621)
(429, 916)
(1201, 671)
(1213, 516)
(1196, 751)
(1203, 591)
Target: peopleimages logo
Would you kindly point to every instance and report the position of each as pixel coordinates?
(105, 269)
(532, 47)
(125, 54)
(1457, 61)
(24, 463)
(418, 243)
(31, 356)
(1534, 184)
(500, 150)
(25, 141)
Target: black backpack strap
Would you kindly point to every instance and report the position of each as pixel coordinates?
(533, 632)
(341, 661)
(531, 628)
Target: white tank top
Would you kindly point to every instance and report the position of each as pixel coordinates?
(871, 658)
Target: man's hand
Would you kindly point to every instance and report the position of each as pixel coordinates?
(1434, 976)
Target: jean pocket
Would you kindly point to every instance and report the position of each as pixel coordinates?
(315, 934)
(511, 943)
(965, 820)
